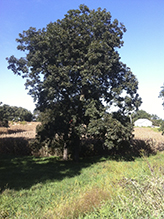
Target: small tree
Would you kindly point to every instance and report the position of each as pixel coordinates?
(72, 68)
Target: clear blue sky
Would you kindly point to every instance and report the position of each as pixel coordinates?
(143, 49)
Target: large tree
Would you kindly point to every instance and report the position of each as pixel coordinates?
(74, 73)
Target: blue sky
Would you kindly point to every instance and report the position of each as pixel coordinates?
(143, 49)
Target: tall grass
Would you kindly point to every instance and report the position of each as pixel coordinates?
(93, 188)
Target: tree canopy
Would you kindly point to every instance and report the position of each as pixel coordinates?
(74, 73)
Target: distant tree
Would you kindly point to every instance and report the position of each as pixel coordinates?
(24, 114)
(141, 114)
(3, 116)
(71, 66)
(13, 113)
(161, 95)
(156, 120)
(155, 117)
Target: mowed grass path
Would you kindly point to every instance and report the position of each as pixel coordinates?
(93, 188)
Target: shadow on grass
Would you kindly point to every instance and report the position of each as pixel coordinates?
(125, 151)
(23, 172)
(137, 148)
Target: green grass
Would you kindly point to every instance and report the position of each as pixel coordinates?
(93, 188)
(155, 129)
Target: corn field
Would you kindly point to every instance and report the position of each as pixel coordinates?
(154, 137)
(15, 139)
(18, 130)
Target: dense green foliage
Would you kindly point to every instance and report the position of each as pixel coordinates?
(3, 116)
(13, 113)
(74, 74)
(93, 188)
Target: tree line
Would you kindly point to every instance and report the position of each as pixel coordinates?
(13, 113)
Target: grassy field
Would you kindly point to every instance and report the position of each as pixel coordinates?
(93, 188)
(99, 187)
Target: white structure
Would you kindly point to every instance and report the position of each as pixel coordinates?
(143, 122)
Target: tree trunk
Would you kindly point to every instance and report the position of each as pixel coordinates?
(65, 152)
